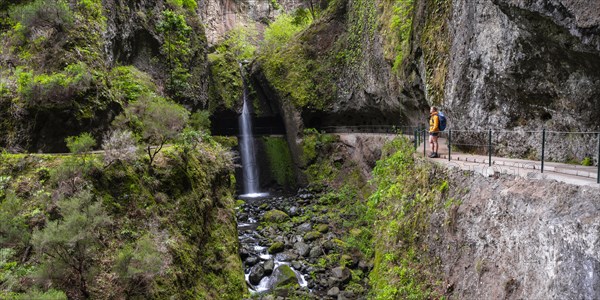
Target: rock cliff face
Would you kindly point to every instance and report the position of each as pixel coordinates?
(524, 65)
(514, 238)
(220, 16)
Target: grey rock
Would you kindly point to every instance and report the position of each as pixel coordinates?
(256, 274)
(334, 291)
(315, 252)
(305, 227)
(341, 274)
(268, 266)
(283, 275)
(302, 249)
(251, 261)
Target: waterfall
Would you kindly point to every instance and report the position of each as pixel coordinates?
(247, 148)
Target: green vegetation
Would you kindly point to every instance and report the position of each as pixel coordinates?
(155, 121)
(176, 48)
(107, 230)
(280, 161)
(435, 41)
(291, 66)
(226, 78)
(401, 24)
(401, 205)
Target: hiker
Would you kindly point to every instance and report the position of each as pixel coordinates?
(434, 131)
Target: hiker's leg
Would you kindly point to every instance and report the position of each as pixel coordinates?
(436, 146)
(431, 143)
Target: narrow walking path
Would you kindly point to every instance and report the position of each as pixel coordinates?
(573, 174)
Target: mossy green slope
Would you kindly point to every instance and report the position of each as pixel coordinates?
(164, 232)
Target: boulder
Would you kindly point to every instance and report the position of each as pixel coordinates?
(283, 276)
(311, 236)
(251, 261)
(276, 248)
(302, 249)
(304, 227)
(275, 216)
(341, 274)
(256, 274)
(315, 252)
(269, 266)
(333, 292)
(322, 228)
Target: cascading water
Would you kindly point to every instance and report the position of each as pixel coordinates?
(247, 149)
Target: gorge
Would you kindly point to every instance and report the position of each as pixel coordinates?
(124, 172)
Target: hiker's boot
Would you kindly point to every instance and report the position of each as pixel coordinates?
(431, 155)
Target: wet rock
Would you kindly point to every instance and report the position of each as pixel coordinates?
(275, 216)
(286, 256)
(256, 274)
(313, 235)
(293, 211)
(365, 266)
(297, 265)
(305, 227)
(276, 248)
(334, 291)
(269, 266)
(244, 253)
(251, 261)
(328, 246)
(302, 249)
(315, 252)
(346, 295)
(322, 228)
(283, 276)
(341, 274)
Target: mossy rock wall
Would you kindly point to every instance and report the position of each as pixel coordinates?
(171, 232)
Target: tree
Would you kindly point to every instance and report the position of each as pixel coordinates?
(119, 146)
(81, 144)
(67, 247)
(176, 47)
(155, 120)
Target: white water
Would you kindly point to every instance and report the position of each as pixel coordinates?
(247, 149)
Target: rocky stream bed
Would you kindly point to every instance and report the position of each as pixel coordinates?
(288, 244)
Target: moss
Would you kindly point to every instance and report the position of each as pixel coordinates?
(435, 41)
(313, 235)
(226, 81)
(275, 216)
(276, 247)
(280, 161)
(187, 205)
(404, 200)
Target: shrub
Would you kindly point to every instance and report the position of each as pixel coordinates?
(200, 120)
(14, 232)
(155, 120)
(138, 264)
(285, 26)
(128, 84)
(44, 13)
(80, 144)
(119, 146)
(66, 247)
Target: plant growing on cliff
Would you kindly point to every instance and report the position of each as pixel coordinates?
(81, 144)
(119, 146)
(155, 120)
(176, 47)
(67, 246)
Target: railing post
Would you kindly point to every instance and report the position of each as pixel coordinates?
(449, 144)
(490, 147)
(543, 147)
(416, 139)
(425, 142)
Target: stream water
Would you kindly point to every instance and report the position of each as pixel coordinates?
(255, 244)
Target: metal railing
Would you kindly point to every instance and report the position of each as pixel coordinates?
(482, 142)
